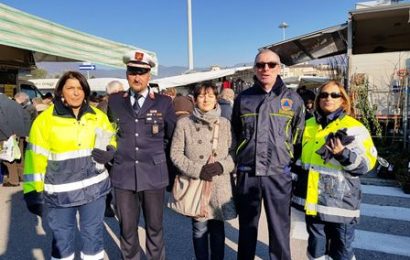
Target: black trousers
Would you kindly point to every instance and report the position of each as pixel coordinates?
(274, 192)
(128, 205)
(209, 239)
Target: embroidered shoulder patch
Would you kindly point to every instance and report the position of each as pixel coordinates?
(286, 104)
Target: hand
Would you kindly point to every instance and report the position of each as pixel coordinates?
(36, 209)
(101, 156)
(34, 201)
(210, 170)
(335, 146)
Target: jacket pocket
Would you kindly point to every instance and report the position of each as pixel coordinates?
(159, 159)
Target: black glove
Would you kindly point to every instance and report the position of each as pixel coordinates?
(36, 209)
(210, 170)
(34, 201)
(101, 156)
(344, 138)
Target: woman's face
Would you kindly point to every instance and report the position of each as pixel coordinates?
(73, 93)
(206, 101)
(330, 98)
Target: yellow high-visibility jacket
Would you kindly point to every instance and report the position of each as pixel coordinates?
(58, 159)
(332, 190)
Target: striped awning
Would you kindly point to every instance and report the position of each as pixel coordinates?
(49, 41)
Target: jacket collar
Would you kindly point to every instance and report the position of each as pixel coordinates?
(324, 120)
(60, 109)
(277, 88)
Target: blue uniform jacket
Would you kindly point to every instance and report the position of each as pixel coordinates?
(140, 161)
(267, 126)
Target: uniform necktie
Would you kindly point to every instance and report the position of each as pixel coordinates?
(136, 106)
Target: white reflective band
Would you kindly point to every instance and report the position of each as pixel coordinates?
(33, 177)
(334, 211)
(322, 169)
(355, 164)
(99, 255)
(50, 188)
(69, 155)
(38, 149)
(70, 257)
(298, 200)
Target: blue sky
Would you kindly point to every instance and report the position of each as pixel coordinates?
(225, 32)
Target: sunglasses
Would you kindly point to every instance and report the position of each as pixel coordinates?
(332, 95)
(261, 65)
(137, 71)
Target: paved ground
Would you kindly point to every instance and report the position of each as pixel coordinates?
(383, 233)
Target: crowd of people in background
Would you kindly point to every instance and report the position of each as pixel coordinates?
(150, 138)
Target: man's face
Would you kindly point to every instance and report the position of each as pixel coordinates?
(138, 78)
(267, 68)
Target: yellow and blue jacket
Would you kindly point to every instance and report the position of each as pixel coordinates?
(332, 191)
(58, 161)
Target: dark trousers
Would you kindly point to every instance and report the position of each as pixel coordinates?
(208, 234)
(332, 239)
(128, 205)
(275, 192)
(63, 224)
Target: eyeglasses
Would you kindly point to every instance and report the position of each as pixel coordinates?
(137, 71)
(332, 95)
(261, 65)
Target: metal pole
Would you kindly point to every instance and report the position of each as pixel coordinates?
(88, 74)
(405, 113)
(283, 26)
(190, 51)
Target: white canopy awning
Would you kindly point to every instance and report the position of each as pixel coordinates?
(195, 77)
(37, 39)
(316, 45)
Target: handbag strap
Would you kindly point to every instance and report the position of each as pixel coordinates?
(215, 137)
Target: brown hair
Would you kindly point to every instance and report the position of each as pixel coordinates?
(204, 86)
(347, 106)
(72, 75)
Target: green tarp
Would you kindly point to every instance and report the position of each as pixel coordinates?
(49, 41)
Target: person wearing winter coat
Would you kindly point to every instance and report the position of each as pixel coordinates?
(337, 149)
(190, 151)
(61, 171)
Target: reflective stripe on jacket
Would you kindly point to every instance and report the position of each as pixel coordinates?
(58, 157)
(267, 126)
(332, 190)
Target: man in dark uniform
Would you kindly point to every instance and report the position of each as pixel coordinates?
(268, 120)
(145, 122)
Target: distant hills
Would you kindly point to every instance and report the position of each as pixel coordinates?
(56, 69)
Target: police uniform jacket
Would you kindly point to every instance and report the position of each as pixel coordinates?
(140, 162)
(267, 126)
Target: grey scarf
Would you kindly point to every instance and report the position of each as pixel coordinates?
(207, 117)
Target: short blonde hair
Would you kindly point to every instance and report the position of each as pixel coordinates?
(170, 92)
(227, 94)
(347, 105)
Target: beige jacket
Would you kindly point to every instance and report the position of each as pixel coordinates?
(190, 150)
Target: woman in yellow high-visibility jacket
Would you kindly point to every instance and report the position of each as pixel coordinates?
(60, 169)
(336, 150)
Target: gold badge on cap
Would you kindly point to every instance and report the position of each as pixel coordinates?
(138, 56)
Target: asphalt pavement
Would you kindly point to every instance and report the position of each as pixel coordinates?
(382, 234)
